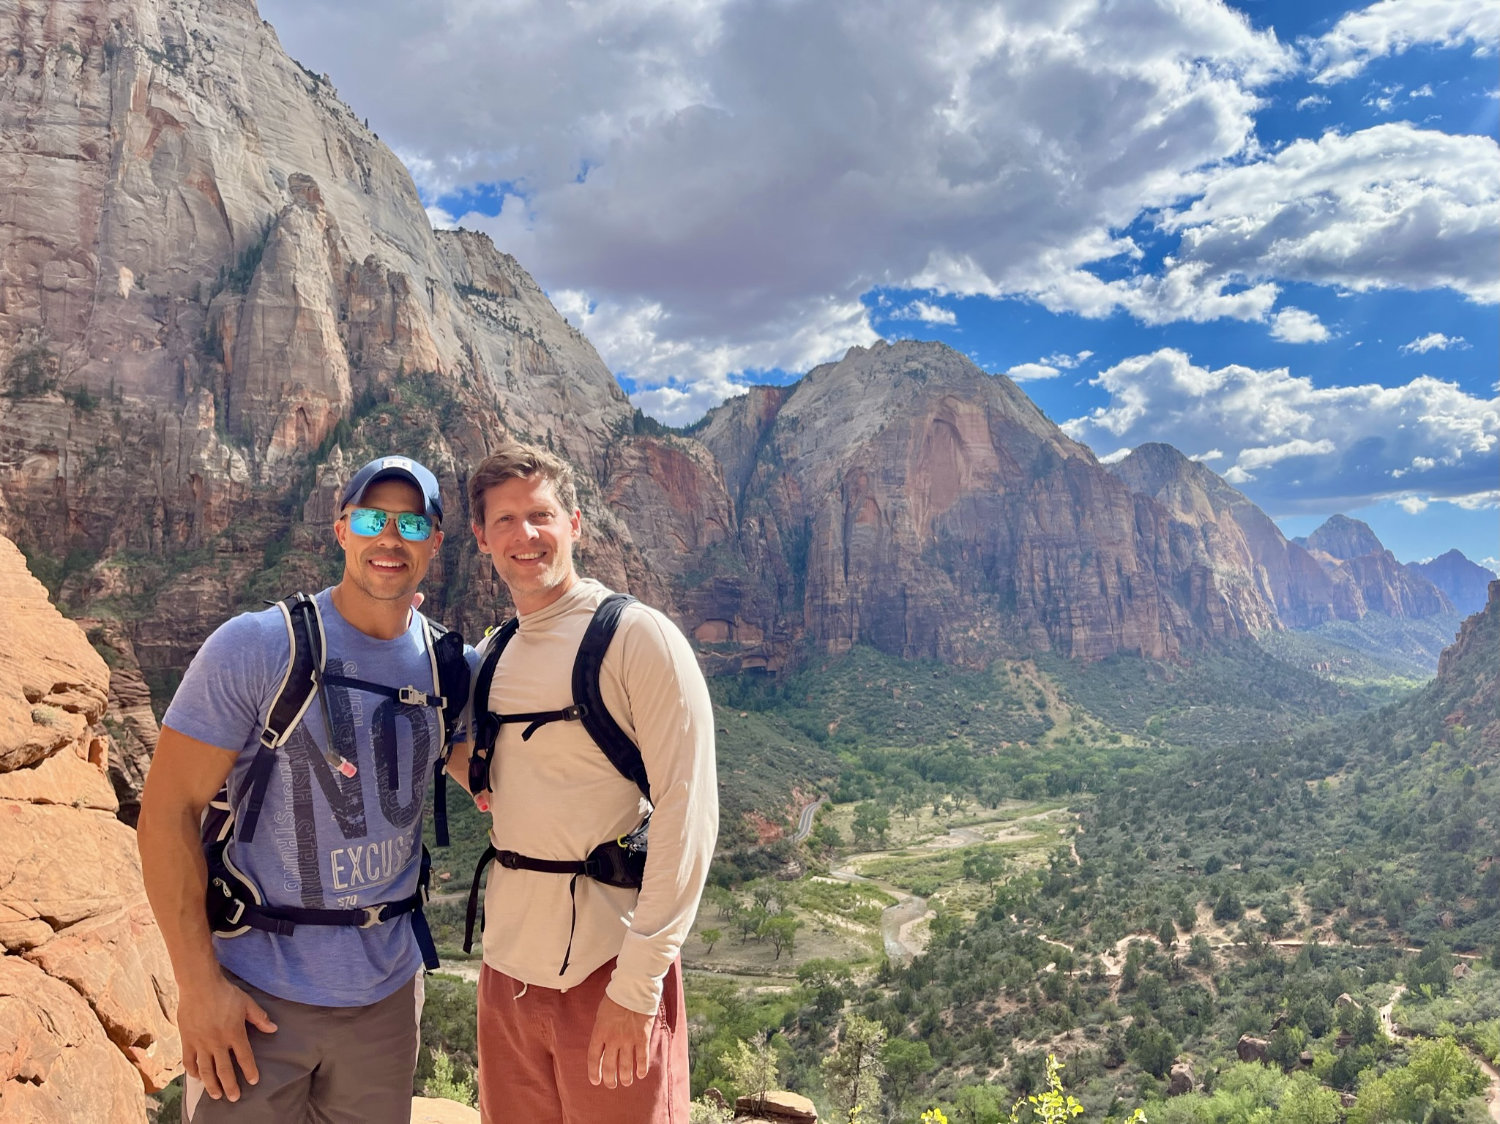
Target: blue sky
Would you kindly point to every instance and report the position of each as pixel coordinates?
(1266, 232)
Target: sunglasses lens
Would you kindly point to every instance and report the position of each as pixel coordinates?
(414, 527)
(367, 521)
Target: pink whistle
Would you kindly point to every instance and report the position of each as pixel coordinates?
(482, 803)
(347, 767)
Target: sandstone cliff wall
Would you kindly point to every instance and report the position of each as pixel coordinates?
(87, 999)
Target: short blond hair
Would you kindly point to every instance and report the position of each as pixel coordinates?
(522, 462)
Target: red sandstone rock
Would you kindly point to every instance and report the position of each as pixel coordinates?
(87, 1000)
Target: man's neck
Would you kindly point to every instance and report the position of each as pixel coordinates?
(535, 604)
(384, 620)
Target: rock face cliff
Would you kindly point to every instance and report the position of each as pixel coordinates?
(217, 287)
(1464, 583)
(87, 999)
(1339, 572)
(1349, 550)
(1468, 676)
(904, 499)
(1225, 532)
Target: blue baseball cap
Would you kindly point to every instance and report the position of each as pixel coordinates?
(395, 468)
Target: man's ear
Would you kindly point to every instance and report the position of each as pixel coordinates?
(484, 547)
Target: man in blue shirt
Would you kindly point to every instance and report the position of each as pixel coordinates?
(319, 1023)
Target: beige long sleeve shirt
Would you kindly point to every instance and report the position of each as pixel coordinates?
(556, 796)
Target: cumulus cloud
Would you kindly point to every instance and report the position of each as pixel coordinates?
(1293, 325)
(1392, 206)
(1433, 341)
(733, 164)
(1391, 27)
(726, 180)
(1067, 362)
(925, 311)
(1305, 447)
(1049, 367)
(1025, 372)
(647, 347)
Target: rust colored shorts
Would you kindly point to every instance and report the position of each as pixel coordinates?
(532, 1046)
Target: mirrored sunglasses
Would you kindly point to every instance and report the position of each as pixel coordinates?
(368, 522)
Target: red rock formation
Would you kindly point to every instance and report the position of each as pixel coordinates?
(903, 498)
(1350, 551)
(87, 998)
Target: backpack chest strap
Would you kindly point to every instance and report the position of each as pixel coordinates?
(411, 696)
(539, 718)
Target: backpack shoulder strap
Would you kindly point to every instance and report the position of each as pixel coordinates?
(304, 627)
(307, 652)
(623, 753)
(450, 675)
(450, 682)
(486, 728)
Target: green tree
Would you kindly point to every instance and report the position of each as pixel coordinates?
(853, 1071)
(1053, 1105)
(781, 931)
(710, 937)
(978, 1104)
(1431, 1087)
(444, 1084)
(871, 819)
(905, 1062)
(1307, 1102)
(753, 1069)
(984, 867)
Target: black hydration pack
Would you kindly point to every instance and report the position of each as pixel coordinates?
(615, 862)
(234, 903)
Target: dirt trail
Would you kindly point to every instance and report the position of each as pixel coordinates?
(1388, 1023)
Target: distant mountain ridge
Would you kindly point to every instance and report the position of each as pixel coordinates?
(1463, 582)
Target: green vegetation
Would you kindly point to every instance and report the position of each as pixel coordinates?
(31, 372)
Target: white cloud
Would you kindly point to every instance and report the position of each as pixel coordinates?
(727, 180)
(1412, 505)
(1433, 341)
(734, 164)
(642, 343)
(1115, 457)
(1392, 206)
(1265, 455)
(1391, 27)
(1304, 447)
(1067, 362)
(1422, 91)
(1293, 325)
(1025, 372)
(1211, 455)
(924, 311)
(1312, 101)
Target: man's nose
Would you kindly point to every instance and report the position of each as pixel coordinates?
(389, 532)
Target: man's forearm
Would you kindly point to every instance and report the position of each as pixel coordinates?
(176, 878)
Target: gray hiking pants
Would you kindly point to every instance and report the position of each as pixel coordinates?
(323, 1065)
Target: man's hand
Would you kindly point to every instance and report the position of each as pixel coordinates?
(620, 1048)
(212, 1025)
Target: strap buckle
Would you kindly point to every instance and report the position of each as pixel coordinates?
(415, 696)
(374, 915)
(237, 911)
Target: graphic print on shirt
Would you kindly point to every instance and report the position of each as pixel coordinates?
(361, 850)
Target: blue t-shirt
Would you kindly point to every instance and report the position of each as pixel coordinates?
(323, 840)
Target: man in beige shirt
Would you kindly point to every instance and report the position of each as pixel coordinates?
(581, 1016)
